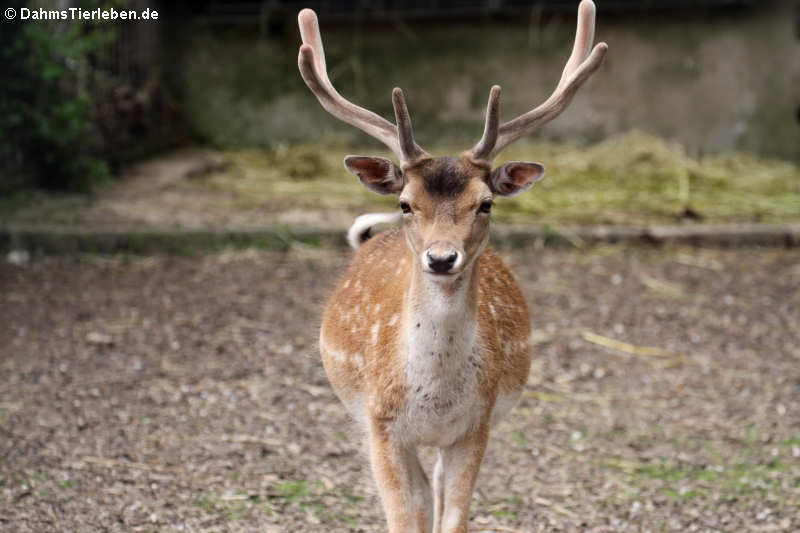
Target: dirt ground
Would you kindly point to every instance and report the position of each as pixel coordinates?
(186, 394)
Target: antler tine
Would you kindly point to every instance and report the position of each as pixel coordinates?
(584, 37)
(581, 64)
(311, 61)
(484, 148)
(405, 134)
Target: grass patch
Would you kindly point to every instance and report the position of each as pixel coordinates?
(631, 179)
(738, 481)
(337, 504)
(502, 509)
(299, 490)
(744, 470)
(518, 438)
(628, 179)
(228, 509)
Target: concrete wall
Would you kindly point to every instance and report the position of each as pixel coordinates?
(713, 83)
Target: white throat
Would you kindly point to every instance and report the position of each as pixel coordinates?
(442, 358)
(440, 301)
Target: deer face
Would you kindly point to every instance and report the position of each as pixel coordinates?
(446, 203)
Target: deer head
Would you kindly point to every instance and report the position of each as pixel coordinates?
(446, 201)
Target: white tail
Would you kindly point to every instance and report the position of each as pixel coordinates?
(426, 338)
(359, 232)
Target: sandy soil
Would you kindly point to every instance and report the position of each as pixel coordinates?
(186, 394)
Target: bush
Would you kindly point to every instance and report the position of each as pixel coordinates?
(47, 137)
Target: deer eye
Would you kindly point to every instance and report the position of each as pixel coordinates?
(404, 207)
(485, 207)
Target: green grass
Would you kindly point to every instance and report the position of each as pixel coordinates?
(298, 490)
(632, 179)
(337, 504)
(503, 510)
(229, 510)
(518, 438)
(740, 478)
(629, 179)
(740, 468)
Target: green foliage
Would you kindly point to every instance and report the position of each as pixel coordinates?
(47, 137)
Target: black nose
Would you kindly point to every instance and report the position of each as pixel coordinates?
(442, 263)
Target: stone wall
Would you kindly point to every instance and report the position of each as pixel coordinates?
(713, 82)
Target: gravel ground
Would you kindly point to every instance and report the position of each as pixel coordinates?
(186, 394)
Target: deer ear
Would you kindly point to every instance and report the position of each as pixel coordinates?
(514, 177)
(376, 173)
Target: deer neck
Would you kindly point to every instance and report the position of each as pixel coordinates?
(441, 316)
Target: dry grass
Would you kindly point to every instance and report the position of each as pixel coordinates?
(632, 179)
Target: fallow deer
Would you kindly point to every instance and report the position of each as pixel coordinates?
(426, 340)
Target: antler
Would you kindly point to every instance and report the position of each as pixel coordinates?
(399, 139)
(580, 65)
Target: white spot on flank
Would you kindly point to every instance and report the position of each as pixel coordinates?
(375, 329)
(491, 310)
(393, 320)
(336, 355)
(346, 283)
(377, 307)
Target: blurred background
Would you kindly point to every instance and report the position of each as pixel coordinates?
(695, 112)
(172, 213)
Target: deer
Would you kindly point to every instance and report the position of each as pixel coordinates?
(426, 340)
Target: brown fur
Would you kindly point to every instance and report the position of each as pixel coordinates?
(375, 277)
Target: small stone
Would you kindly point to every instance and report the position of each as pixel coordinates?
(19, 258)
(95, 337)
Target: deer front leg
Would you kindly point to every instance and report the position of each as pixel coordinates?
(402, 484)
(460, 463)
(438, 493)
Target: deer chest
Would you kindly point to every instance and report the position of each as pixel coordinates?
(443, 397)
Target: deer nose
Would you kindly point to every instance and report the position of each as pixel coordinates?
(441, 263)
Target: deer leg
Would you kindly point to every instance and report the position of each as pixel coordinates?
(438, 494)
(402, 483)
(422, 507)
(461, 462)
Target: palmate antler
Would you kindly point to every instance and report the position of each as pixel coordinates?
(399, 139)
(581, 64)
